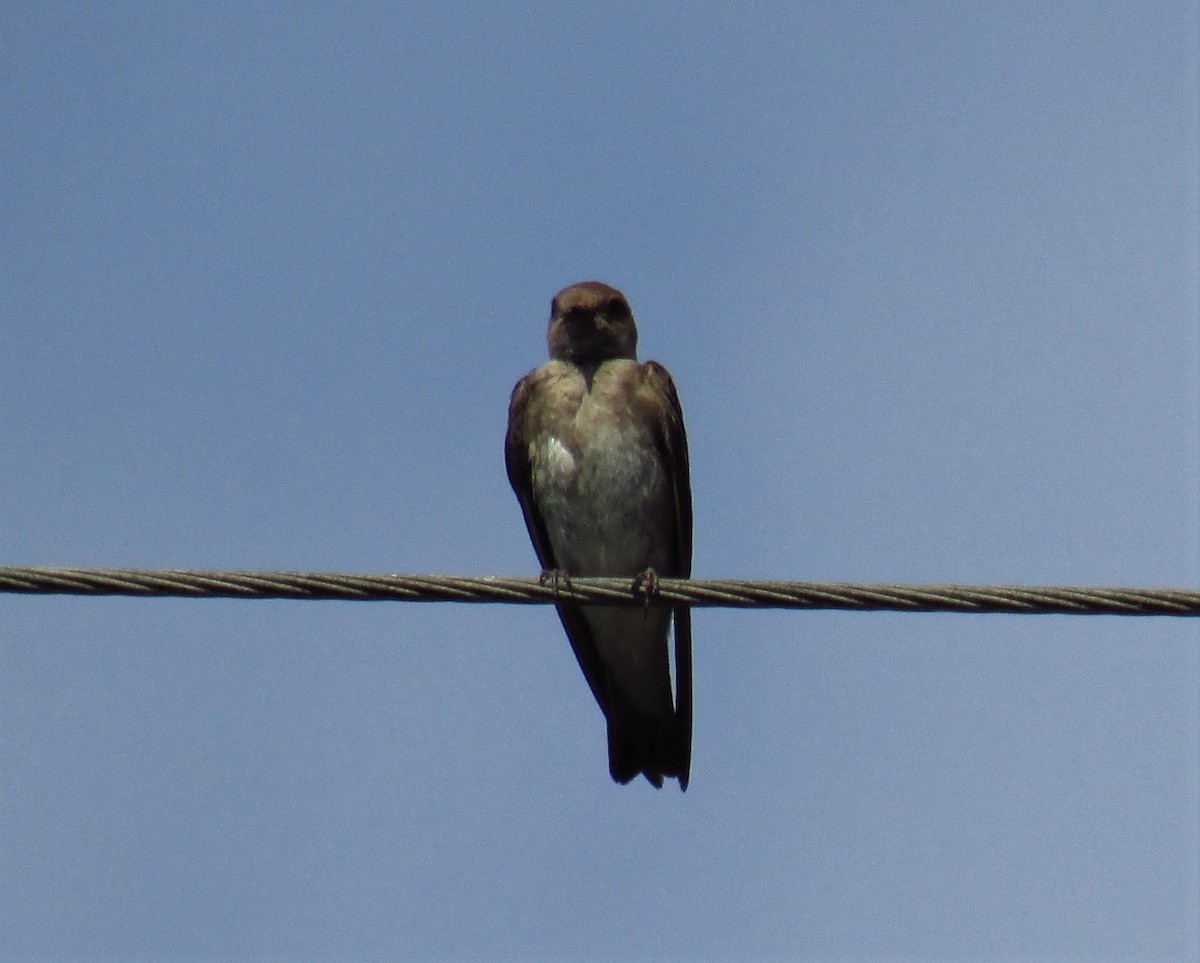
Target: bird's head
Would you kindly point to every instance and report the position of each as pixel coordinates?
(591, 322)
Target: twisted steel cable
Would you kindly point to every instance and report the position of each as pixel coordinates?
(710, 593)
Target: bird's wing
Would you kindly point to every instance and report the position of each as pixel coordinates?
(519, 463)
(671, 440)
(518, 460)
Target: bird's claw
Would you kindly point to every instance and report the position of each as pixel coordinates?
(555, 577)
(645, 584)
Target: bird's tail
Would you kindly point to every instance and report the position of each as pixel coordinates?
(649, 747)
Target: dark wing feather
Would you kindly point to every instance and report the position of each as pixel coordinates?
(520, 476)
(520, 468)
(672, 441)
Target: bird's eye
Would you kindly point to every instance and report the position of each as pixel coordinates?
(616, 308)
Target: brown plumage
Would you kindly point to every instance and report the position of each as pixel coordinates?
(597, 455)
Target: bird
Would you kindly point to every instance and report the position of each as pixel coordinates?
(596, 453)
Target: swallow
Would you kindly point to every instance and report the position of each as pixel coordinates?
(597, 455)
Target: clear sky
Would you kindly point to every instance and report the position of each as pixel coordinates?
(926, 276)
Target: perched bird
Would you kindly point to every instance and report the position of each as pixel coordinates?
(597, 455)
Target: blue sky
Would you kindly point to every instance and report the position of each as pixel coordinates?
(926, 276)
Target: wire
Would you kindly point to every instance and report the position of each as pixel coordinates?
(710, 593)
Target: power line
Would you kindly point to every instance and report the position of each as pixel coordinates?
(710, 593)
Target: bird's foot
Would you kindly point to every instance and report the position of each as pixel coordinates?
(555, 577)
(645, 584)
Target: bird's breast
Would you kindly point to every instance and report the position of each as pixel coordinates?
(603, 492)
